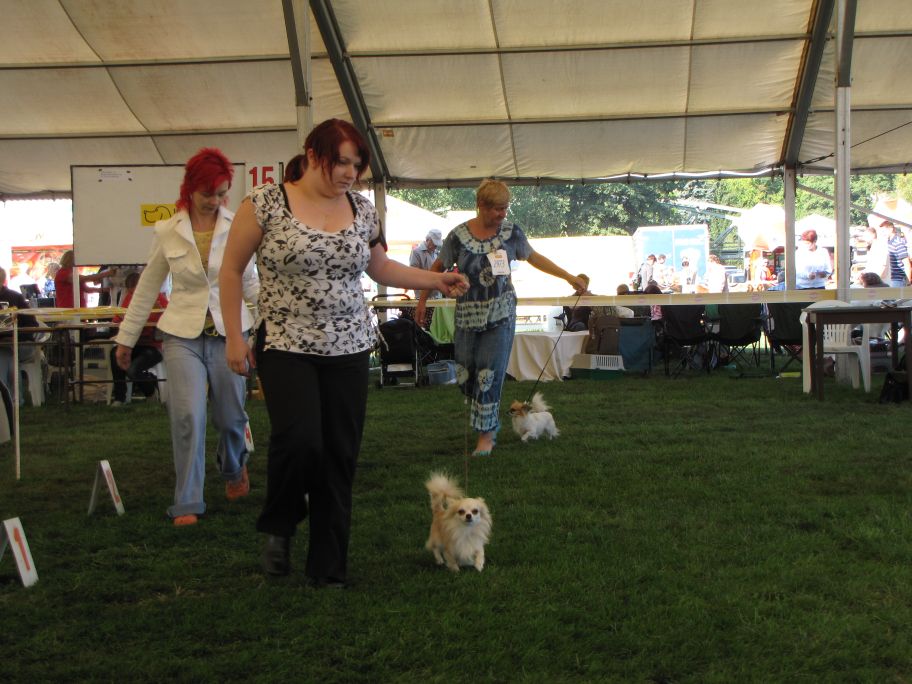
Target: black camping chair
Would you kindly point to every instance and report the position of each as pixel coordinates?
(738, 336)
(684, 331)
(784, 332)
(636, 344)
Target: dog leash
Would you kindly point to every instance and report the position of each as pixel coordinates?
(465, 446)
(556, 342)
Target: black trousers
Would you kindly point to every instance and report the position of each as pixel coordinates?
(142, 359)
(316, 406)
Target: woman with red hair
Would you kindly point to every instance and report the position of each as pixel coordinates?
(314, 238)
(189, 246)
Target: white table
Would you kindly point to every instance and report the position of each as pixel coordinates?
(531, 351)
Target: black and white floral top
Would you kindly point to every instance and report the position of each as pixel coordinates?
(311, 299)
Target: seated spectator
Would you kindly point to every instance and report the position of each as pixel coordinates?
(655, 310)
(146, 352)
(623, 289)
(27, 353)
(780, 282)
(577, 317)
(870, 279)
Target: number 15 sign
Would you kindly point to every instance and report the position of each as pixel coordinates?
(259, 174)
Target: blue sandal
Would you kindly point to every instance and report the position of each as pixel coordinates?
(486, 452)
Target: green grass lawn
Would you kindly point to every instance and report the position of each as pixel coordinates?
(703, 529)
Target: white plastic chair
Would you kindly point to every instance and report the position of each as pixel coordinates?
(34, 371)
(837, 339)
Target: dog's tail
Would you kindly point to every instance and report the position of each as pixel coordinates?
(538, 403)
(441, 488)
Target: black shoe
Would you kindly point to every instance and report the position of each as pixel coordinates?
(328, 583)
(277, 556)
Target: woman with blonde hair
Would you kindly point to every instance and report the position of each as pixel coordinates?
(482, 249)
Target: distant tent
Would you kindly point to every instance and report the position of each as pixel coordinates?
(408, 224)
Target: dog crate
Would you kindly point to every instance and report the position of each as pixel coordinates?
(597, 366)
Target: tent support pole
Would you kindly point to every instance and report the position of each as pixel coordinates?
(297, 29)
(845, 29)
(380, 204)
(788, 183)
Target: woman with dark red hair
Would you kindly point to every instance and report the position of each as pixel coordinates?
(190, 246)
(314, 238)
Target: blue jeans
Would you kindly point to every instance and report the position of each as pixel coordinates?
(193, 367)
(898, 282)
(484, 354)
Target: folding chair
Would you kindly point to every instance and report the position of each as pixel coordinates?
(740, 328)
(784, 332)
(685, 331)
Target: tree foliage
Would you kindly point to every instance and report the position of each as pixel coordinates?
(619, 208)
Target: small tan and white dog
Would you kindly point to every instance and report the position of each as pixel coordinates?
(531, 421)
(460, 527)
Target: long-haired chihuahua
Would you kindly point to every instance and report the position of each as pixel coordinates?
(533, 420)
(460, 527)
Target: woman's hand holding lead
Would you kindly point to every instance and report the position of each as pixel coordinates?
(578, 284)
(454, 284)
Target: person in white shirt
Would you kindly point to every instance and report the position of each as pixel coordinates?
(812, 263)
(716, 277)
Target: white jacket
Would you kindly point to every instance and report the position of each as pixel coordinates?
(193, 291)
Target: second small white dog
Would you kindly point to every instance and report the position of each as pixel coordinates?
(531, 421)
(461, 526)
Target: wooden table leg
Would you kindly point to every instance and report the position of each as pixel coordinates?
(815, 343)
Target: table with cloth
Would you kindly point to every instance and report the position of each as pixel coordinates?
(531, 352)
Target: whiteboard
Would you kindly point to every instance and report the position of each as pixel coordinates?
(115, 209)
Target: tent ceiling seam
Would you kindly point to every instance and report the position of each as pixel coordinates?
(110, 76)
(777, 111)
(503, 87)
(133, 63)
(147, 134)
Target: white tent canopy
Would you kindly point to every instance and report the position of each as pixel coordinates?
(450, 91)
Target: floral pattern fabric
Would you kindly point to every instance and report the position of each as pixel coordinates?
(311, 300)
(490, 300)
